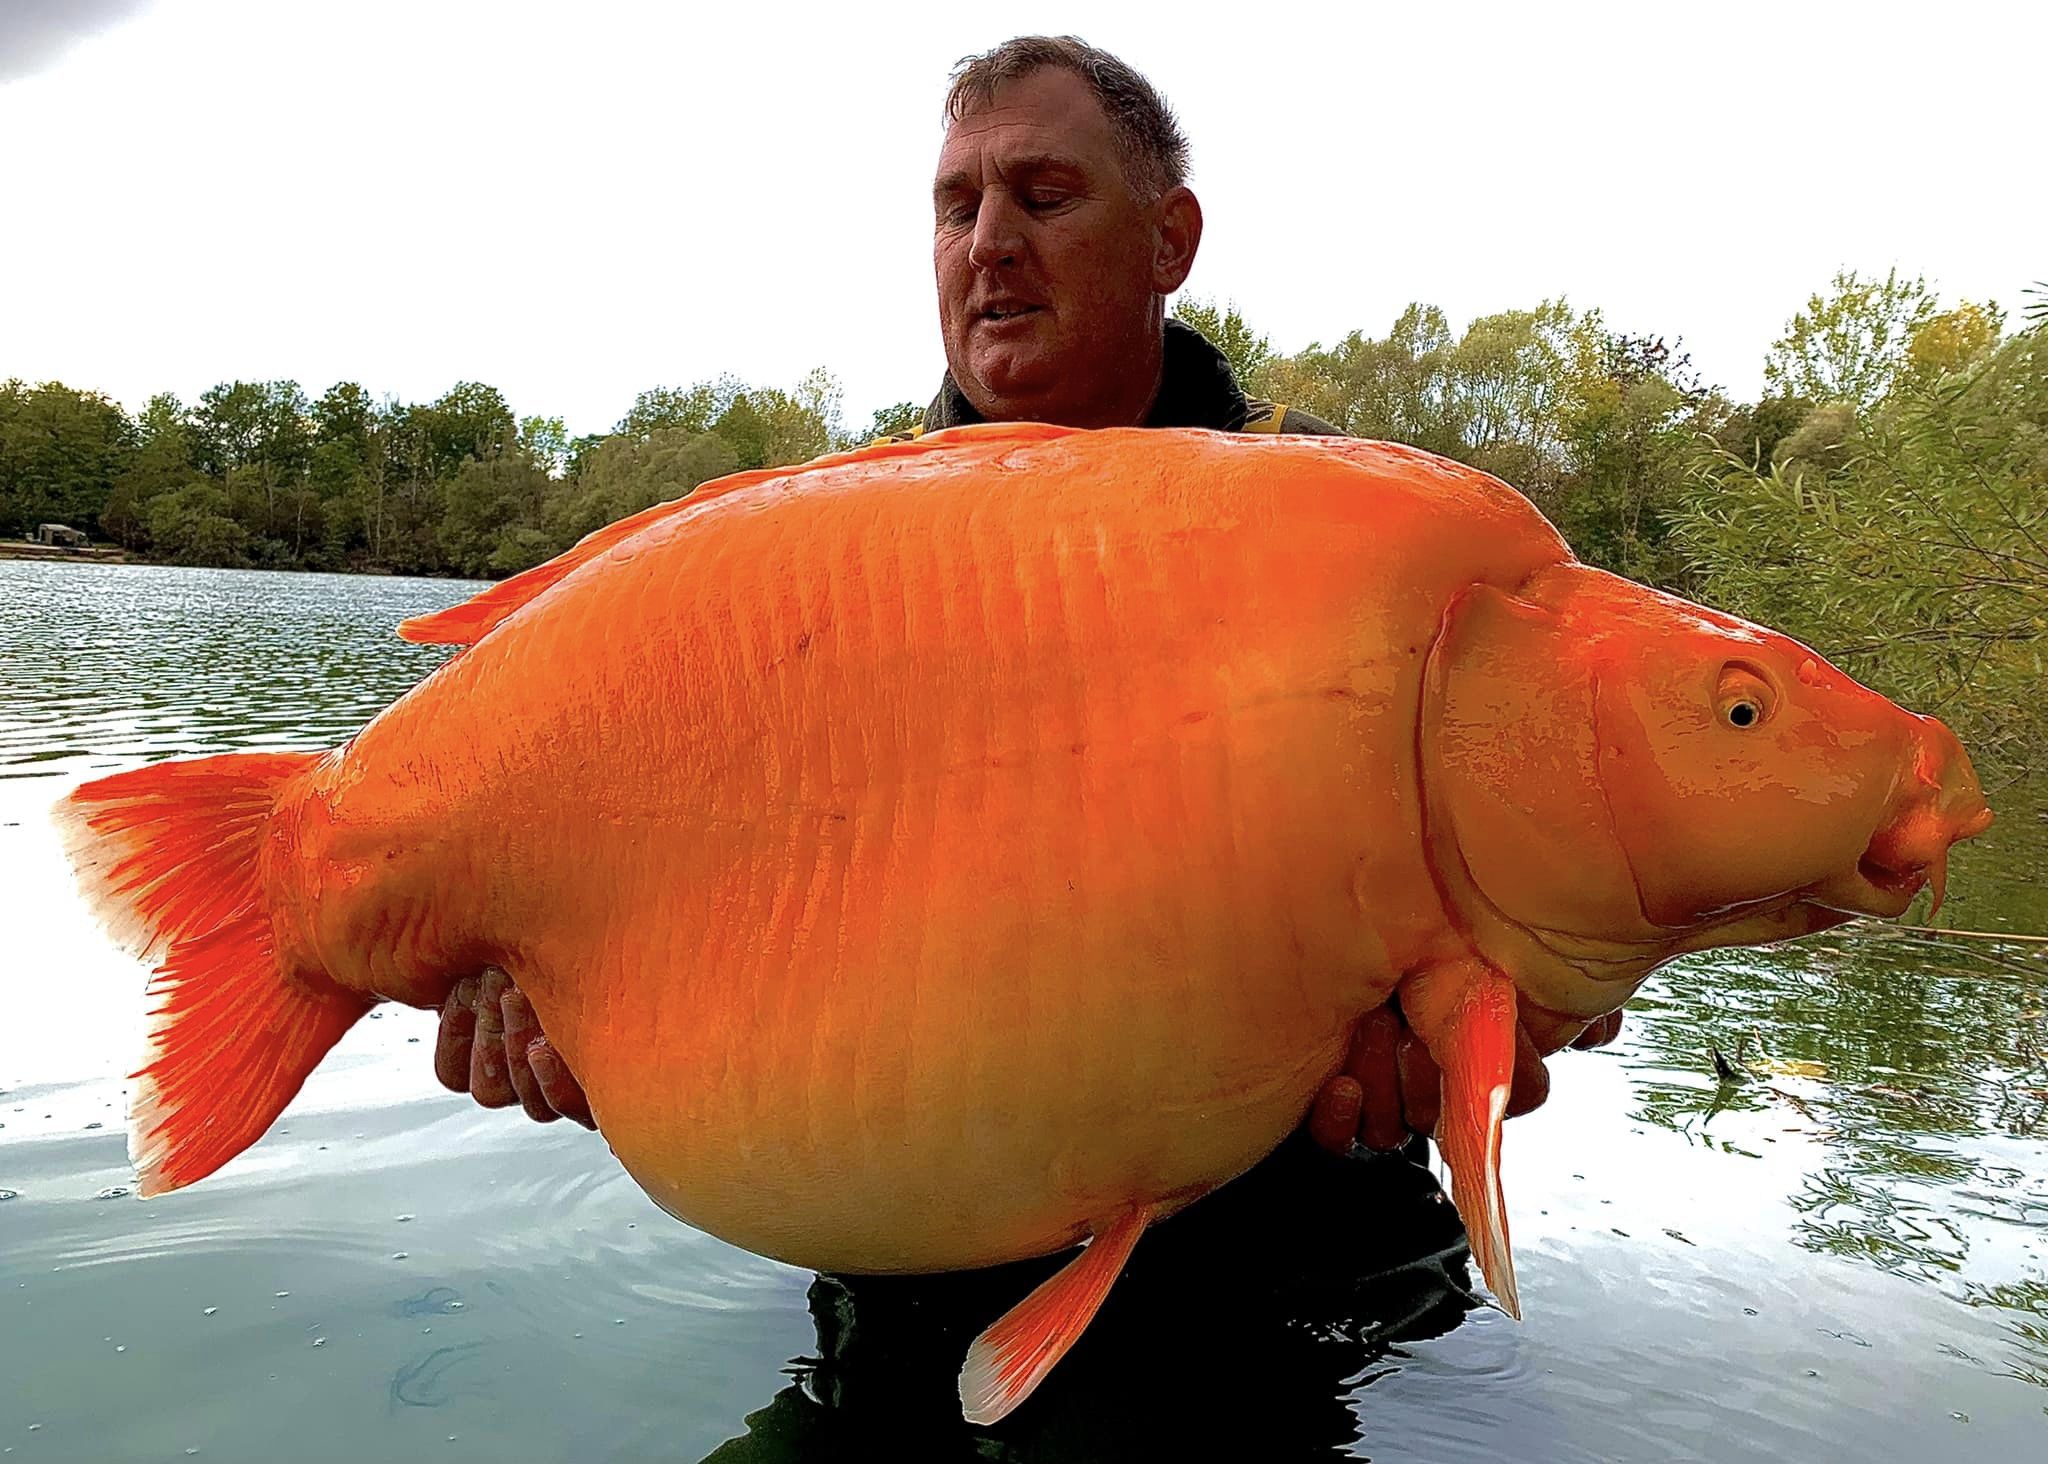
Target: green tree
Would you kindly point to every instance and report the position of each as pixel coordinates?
(194, 525)
(1750, 433)
(492, 520)
(256, 438)
(887, 422)
(469, 420)
(60, 453)
(1400, 389)
(545, 441)
(346, 472)
(1850, 342)
(163, 461)
(1245, 350)
(580, 451)
(1632, 415)
(626, 474)
(691, 409)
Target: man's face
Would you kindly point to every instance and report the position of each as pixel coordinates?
(1052, 268)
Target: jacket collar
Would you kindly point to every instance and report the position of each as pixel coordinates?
(1196, 389)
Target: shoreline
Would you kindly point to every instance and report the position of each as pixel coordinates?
(54, 554)
(21, 553)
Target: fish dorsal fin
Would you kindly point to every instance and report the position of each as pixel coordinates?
(467, 623)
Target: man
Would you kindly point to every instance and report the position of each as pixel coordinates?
(1062, 221)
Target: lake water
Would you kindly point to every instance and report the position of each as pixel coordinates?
(1844, 1255)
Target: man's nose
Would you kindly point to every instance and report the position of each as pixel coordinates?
(998, 235)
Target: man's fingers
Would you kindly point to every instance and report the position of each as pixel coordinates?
(522, 1030)
(1333, 1120)
(458, 1031)
(1420, 1083)
(489, 1082)
(1600, 1032)
(1532, 1079)
(1374, 1067)
(564, 1094)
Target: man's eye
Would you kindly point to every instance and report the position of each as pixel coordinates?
(1046, 200)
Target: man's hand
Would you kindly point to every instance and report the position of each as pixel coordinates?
(491, 1047)
(1389, 1087)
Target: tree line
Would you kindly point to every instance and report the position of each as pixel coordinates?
(258, 474)
(1885, 499)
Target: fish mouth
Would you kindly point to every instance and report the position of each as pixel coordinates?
(1905, 856)
(1892, 889)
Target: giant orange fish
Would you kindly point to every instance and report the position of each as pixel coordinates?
(955, 851)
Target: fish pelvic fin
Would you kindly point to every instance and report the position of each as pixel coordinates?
(1465, 1015)
(168, 857)
(1010, 1359)
(467, 623)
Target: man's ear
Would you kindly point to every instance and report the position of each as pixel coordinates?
(1180, 235)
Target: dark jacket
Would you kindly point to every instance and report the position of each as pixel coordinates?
(1197, 389)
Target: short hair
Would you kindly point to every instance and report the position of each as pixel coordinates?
(1154, 150)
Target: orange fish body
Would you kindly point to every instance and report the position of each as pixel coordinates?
(941, 854)
(915, 871)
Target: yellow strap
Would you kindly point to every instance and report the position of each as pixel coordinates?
(1272, 423)
(915, 431)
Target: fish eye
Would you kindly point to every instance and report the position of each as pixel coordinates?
(1743, 698)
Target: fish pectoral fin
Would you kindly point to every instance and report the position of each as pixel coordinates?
(1010, 1359)
(1465, 1015)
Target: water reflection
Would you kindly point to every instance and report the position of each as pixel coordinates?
(1241, 1325)
(138, 662)
(1920, 1068)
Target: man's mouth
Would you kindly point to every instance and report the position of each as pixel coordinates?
(1009, 310)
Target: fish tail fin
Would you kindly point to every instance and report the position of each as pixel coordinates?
(167, 856)
(1465, 1015)
(1008, 1360)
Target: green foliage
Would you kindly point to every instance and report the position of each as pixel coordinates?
(1631, 415)
(769, 426)
(1909, 541)
(545, 441)
(887, 422)
(59, 450)
(1752, 433)
(193, 525)
(624, 474)
(764, 426)
(1246, 351)
(692, 409)
(1401, 389)
(256, 473)
(1850, 344)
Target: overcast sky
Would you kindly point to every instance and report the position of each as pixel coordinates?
(574, 202)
